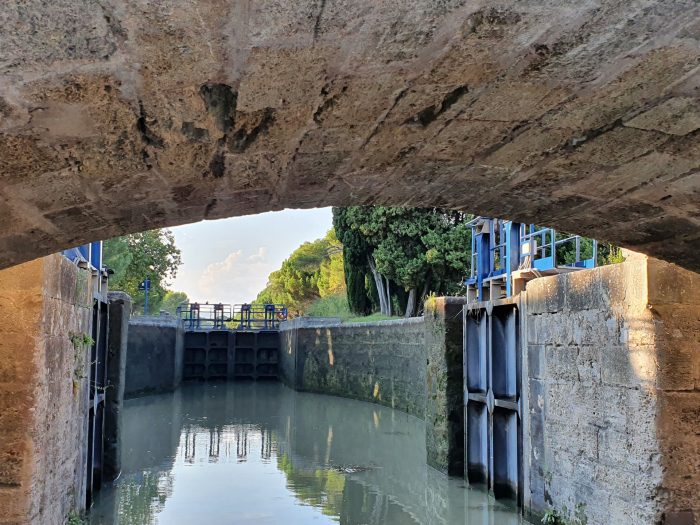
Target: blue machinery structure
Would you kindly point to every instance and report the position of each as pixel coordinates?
(507, 253)
(248, 317)
(90, 254)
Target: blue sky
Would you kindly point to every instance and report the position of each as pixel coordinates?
(229, 260)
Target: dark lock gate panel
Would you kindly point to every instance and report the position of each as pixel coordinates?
(97, 387)
(231, 354)
(492, 386)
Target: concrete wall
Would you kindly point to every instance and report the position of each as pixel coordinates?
(613, 372)
(414, 365)
(154, 356)
(381, 362)
(43, 390)
(444, 411)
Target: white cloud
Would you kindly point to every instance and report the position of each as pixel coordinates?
(260, 256)
(236, 279)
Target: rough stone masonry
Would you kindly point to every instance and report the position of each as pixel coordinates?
(43, 390)
(119, 116)
(613, 374)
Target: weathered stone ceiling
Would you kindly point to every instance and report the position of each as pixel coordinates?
(122, 115)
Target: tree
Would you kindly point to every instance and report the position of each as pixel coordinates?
(356, 256)
(313, 270)
(151, 254)
(418, 250)
(172, 300)
(331, 279)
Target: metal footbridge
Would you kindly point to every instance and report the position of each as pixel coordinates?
(506, 254)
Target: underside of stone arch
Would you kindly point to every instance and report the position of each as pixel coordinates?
(120, 116)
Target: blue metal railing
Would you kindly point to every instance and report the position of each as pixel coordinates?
(219, 316)
(500, 247)
(542, 245)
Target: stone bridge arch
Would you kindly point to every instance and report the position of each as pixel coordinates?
(121, 116)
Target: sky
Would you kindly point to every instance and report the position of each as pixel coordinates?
(229, 260)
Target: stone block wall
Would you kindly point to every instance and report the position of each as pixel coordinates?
(444, 410)
(119, 313)
(674, 305)
(414, 365)
(43, 390)
(381, 362)
(613, 372)
(154, 359)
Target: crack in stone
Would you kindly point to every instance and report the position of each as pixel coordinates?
(210, 206)
(431, 113)
(147, 134)
(592, 134)
(327, 103)
(317, 23)
(217, 166)
(397, 98)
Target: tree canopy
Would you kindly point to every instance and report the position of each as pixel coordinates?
(313, 270)
(418, 250)
(151, 254)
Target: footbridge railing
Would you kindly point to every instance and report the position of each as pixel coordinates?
(219, 316)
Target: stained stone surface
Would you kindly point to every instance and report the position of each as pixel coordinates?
(613, 376)
(116, 116)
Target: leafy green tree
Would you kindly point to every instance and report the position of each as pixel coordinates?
(313, 270)
(331, 279)
(151, 254)
(418, 250)
(361, 291)
(171, 300)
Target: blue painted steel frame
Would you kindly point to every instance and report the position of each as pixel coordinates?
(91, 253)
(497, 249)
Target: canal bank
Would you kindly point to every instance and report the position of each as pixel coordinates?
(577, 396)
(598, 378)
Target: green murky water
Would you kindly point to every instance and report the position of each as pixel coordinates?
(260, 453)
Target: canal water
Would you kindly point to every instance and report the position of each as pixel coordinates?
(261, 453)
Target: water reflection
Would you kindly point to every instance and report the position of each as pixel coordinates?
(259, 453)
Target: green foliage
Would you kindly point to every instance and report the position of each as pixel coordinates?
(610, 254)
(81, 342)
(313, 270)
(419, 249)
(74, 519)
(553, 517)
(358, 299)
(370, 318)
(171, 300)
(337, 306)
(607, 253)
(330, 306)
(133, 258)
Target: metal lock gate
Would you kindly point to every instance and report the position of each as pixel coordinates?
(492, 387)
